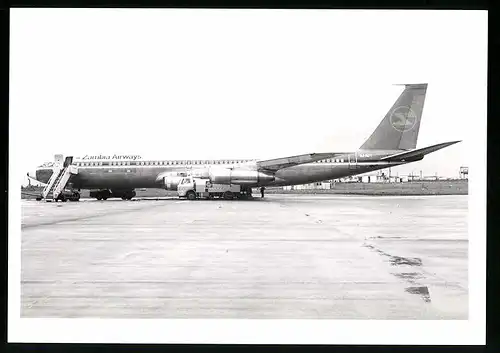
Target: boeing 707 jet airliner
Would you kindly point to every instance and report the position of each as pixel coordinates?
(391, 144)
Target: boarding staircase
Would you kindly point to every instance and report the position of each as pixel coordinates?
(59, 179)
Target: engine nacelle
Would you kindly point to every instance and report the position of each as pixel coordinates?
(172, 180)
(239, 177)
(203, 173)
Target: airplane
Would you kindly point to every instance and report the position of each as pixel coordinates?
(392, 143)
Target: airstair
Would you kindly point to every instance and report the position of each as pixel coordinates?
(59, 179)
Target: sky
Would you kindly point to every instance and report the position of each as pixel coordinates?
(177, 83)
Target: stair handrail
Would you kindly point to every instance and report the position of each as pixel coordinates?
(56, 171)
(58, 189)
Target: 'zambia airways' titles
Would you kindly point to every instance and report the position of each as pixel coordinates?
(115, 156)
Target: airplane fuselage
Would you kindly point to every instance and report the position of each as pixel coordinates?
(392, 143)
(147, 173)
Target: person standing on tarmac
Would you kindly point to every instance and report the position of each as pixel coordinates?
(262, 192)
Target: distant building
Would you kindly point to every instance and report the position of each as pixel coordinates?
(394, 179)
(325, 185)
(374, 177)
(370, 179)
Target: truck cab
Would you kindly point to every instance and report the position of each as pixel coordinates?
(189, 186)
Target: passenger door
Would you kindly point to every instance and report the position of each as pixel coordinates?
(352, 161)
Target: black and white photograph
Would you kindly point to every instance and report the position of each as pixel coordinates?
(247, 176)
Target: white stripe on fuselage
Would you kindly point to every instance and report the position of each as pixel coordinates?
(224, 165)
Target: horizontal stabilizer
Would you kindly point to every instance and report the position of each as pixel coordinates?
(273, 165)
(418, 153)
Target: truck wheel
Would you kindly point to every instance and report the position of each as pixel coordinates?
(191, 195)
(104, 198)
(228, 195)
(99, 197)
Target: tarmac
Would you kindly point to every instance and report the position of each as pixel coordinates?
(281, 257)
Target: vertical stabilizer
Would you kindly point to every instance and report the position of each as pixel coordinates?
(399, 128)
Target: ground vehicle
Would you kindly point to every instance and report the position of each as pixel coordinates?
(71, 195)
(193, 188)
(66, 195)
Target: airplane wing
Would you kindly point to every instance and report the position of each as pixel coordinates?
(273, 165)
(404, 156)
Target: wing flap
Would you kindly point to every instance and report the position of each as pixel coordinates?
(408, 155)
(273, 165)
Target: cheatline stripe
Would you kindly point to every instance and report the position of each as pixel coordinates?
(184, 167)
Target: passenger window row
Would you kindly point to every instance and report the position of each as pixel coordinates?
(332, 160)
(183, 162)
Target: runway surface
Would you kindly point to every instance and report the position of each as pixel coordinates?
(284, 256)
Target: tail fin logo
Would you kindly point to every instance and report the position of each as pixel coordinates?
(403, 119)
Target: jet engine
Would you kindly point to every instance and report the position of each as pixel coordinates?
(239, 177)
(172, 180)
(203, 173)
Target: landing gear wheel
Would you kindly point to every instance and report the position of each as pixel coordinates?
(191, 195)
(228, 195)
(128, 195)
(105, 194)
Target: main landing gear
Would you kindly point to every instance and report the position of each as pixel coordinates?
(125, 195)
(106, 194)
